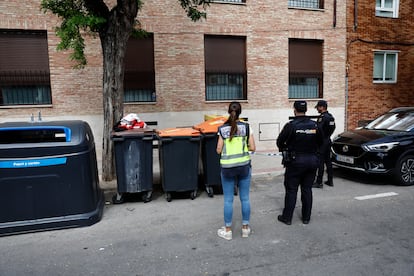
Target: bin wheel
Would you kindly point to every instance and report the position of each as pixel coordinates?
(118, 198)
(168, 197)
(210, 191)
(147, 197)
(193, 194)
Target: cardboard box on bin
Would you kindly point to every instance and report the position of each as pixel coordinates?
(184, 131)
(211, 125)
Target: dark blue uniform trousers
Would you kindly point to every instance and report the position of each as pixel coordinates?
(300, 172)
(325, 159)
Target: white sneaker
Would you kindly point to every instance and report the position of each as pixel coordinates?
(246, 232)
(222, 233)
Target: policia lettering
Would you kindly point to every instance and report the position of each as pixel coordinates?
(235, 151)
(293, 136)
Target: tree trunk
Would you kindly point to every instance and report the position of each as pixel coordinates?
(113, 75)
(114, 40)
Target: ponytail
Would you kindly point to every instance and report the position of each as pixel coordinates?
(234, 112)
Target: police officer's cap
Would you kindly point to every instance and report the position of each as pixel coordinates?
(322, 103)
(300, 106)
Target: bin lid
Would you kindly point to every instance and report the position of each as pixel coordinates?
(180, 131)
(46, 132)
(133, 132)
(45, 138)
(212, 125)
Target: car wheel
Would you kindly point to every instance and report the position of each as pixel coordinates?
(404, 171)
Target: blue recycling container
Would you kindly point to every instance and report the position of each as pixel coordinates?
(48, 176)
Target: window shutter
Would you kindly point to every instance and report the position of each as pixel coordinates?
(305, 56)
(225, 54)
(24, 58)
(139, 64)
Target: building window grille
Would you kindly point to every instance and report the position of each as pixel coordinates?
(304, 87)
(229, 1)
(305, 69)
(306, 4)
(24, 68)
(139, 79)
(224, 86)
(225, 68)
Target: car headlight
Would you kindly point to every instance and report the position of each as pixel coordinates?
(384, 147)
(336, 138)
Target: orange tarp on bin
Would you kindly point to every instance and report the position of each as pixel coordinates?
(212, 125)
(184, 131)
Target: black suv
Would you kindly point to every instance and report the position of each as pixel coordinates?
(384, 146)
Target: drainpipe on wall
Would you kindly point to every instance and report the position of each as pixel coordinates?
(347, 65)
(346, 103)
(355, 14)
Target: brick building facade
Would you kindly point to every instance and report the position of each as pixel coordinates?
(372, 31)
(268, 29)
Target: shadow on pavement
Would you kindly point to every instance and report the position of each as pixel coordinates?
(363, 178)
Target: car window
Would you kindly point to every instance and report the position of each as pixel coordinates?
(402, 121)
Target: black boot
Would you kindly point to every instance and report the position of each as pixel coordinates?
(317, 185)
(284, 220)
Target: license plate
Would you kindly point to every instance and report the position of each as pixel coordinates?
(345, 159)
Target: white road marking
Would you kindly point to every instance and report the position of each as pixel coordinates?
(375, 196)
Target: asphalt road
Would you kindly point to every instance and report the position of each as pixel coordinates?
(362, 226)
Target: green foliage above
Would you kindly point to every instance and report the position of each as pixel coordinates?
(191, 7)
(75, 19)
(83, 16)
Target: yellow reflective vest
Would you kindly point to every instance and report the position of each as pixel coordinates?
(235, 153)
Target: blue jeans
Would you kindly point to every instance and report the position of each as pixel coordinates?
(240, 176)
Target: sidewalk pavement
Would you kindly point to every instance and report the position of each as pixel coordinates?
(264, 163)
(267, 162)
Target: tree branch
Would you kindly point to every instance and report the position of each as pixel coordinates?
(97, 8)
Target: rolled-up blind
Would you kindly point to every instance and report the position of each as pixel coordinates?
(225, 54)
(139, 63)
(305, 56)
(24, 58)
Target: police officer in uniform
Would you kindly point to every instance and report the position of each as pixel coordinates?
(327, 123)
(299, 141)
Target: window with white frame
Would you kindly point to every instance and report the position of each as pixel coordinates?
(387, 8)
(385, 67)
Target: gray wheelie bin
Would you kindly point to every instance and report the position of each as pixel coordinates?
(179, 153)
(133, 157)
(48, 176)
(209, 157)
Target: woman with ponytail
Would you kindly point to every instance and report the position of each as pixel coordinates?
(234, 143)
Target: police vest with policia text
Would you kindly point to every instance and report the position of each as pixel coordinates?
(235, 153)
